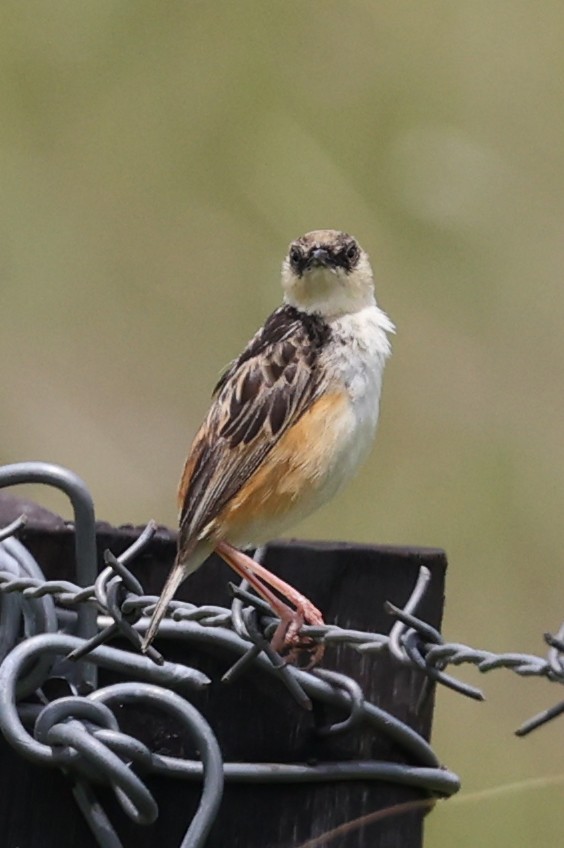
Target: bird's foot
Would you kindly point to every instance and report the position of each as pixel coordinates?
(297, 648)
(287, 639)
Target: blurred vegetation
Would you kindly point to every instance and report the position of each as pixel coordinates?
(156, 161)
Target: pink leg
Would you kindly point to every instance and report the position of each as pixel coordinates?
(287, 633)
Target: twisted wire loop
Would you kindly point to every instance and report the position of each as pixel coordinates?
(80, 734)
(84, 538)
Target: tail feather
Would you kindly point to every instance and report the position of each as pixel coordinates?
(179, 572)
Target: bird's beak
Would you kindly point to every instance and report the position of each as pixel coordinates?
(319, 257)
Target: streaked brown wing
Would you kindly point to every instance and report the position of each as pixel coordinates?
(264, 392)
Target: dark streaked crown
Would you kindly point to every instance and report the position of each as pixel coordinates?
(330, 249)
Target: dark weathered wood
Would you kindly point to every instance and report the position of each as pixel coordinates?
(255, 719)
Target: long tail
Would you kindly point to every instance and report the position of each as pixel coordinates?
(178, 573)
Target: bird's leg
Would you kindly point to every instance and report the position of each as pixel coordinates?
(287, 633)
(241, 562)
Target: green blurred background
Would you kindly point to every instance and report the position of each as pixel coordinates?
(156, 161)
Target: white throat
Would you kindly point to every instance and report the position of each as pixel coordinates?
(329, 292)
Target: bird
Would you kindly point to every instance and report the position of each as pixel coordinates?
(291, 420)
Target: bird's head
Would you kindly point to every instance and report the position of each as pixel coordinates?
(327, 272)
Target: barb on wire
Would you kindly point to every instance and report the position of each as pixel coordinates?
(111, 589)
(400, 627)
(283, 671)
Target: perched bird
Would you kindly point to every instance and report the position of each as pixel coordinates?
(290, 421)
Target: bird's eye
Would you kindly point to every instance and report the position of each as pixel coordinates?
(352, 252)
(295, 255)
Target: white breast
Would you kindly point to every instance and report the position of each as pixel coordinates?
(356, 357)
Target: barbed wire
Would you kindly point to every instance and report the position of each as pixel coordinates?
(411, 640)
(80, 733)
